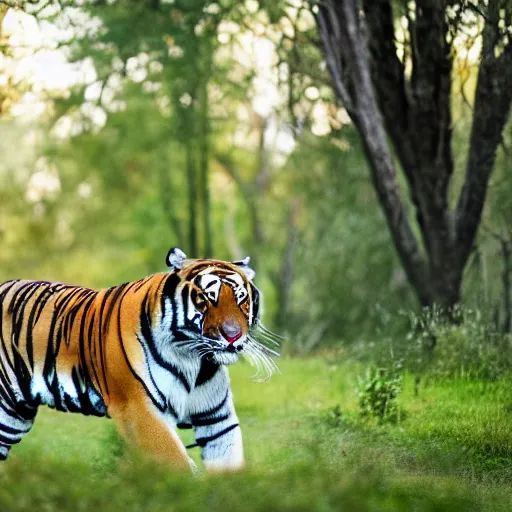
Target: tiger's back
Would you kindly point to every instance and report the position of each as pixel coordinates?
(54, 339)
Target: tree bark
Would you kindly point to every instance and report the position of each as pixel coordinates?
(344, 37)
(493, 98)
(506, 249)
(413, 110)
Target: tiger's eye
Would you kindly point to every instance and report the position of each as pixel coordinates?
(199, 300)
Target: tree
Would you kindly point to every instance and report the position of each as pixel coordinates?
(406, 99)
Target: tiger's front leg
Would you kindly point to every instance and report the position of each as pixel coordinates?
(15, 422)
(215, 423)
(140, 423)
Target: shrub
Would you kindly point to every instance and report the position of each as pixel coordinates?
(464, 346)
(378, 390)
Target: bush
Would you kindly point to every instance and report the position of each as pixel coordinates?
(378, 390)
(463, 346)
(434, 346)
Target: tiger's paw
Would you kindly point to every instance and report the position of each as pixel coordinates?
(223, 466)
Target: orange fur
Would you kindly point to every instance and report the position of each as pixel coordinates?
(99, 352)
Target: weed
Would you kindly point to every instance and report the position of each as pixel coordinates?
(378, 390)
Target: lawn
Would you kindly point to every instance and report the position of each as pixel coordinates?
(307, 449)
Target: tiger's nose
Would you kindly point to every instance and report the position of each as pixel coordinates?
(231, 331)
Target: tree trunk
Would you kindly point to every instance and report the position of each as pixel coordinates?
(413, 110)
(506, 247)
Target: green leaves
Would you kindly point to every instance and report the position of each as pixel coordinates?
(378, 391)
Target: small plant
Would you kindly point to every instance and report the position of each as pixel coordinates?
(378, 390)
(334, 416)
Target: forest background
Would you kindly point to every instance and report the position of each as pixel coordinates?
(243, 128)
(128, 128)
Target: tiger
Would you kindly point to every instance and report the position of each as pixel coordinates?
(151, 354)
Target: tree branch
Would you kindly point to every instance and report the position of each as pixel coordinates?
(431, 95)
(390, 86)
(493, 98)
(330, 33)
(350, 36)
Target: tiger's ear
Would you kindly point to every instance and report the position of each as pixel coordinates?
(244, 267)
(175, 258)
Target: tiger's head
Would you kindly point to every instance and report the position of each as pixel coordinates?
(217, 310)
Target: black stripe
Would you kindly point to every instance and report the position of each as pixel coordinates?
(26, 411)
(255, 304)
(203, 441)
(102, 339)
(10, 430)
(54, 336)
(86, 406)
(139, 284)
(184, 303)
(2, 341)
(144, 349)
(17, 309)
(119, 290)
(209, 412)
(9, 441)
(145, 330)
(210, 421)
(8, 285)
(59, 331)
(39, 303)
(9, 411)
(72, 313)
(82, 361)
(184, 426)
(63, 311)
(168, 292)
(207, 371)
(6, 391)
(92, 349)
(159, 406)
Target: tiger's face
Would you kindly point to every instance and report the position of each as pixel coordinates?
(218, 303)
(223, 306)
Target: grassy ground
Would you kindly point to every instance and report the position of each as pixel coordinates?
(453, 451)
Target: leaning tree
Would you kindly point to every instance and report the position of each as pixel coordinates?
(400, 103)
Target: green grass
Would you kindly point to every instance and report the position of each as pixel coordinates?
(453, 451)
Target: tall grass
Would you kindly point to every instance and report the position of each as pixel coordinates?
(306, 445)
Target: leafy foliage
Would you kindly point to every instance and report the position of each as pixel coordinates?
(173, 140)
(378, 391)
(467, 348)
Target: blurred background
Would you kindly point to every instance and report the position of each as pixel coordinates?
(128, 127)
(359, 153)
